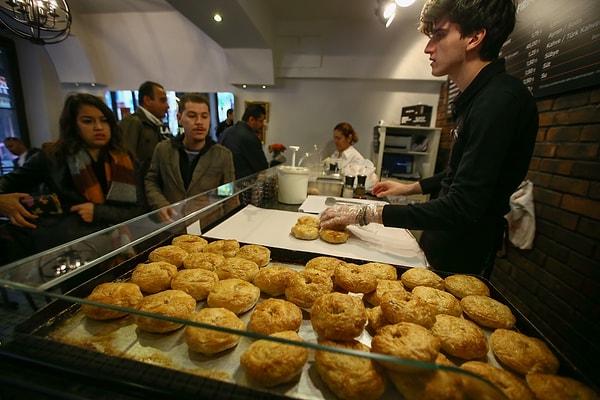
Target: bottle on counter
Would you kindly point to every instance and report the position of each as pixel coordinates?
(360, 192)
(348, 191)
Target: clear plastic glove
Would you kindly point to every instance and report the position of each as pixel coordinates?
(340, 216)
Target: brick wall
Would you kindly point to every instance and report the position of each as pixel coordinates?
(557, 283)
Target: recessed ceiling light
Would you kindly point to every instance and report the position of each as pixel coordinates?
(264, 86)
(244, 86)
(404, 3)
(217, 17)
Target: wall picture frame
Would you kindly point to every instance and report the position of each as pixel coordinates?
(265, 104)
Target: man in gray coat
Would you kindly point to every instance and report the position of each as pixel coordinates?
(188, 164)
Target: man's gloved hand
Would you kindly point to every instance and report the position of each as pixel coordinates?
(339, 216)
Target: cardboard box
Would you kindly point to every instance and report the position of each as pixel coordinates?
(418, 115)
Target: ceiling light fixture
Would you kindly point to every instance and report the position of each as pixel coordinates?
(217, 17)
(405, 3)
(386, 11)
(41, 21)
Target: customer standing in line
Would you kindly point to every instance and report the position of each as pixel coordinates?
(344, 137)
(142, 129)
(496, 126)
(88, 169)
(243, 141)
(18, 148)
(228, 122)
(188, 164)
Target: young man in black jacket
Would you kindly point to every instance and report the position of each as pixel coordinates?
(496, 125)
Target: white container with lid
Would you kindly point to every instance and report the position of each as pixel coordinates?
(293, 184)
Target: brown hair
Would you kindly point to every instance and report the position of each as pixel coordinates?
(348, 131)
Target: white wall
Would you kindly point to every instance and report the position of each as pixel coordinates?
(303, 112)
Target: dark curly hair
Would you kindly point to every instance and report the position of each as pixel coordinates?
(497, 17)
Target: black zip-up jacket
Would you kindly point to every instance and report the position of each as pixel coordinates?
(497, 122)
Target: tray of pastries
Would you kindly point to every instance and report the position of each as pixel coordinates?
(302, 325)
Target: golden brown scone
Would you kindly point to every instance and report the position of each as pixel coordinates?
(122, 294)
(383, 286)
(309, 220)
(554, 387)
(255, 252)
(349, 377)
(406, 340)
(523, 354)
(376, 319)
(170, 303)
(171, 254)
(513, 387)
(432, 385)
(488, 312)
(196, 282)
(324, 263)
(237, 267)
(275, 315)
(305, 286)
(414, 277)
(338, 316)
(210, 341)
(190, 243)
(464, 285)
(335, 237)
(382, 270)
(305, 232)
(273, 279)
(207, 261)
(441, 302)
(234, 294)
(459, 337)
(400, 306)
(353, 278)
(154, 277)
(268, 363)
(225, 247)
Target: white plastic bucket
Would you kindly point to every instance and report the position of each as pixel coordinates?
(293, 184)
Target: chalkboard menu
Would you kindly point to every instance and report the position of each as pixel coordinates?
(555, 46)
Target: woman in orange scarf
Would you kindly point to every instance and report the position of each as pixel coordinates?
(88, 177)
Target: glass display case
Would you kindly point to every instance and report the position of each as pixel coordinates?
(50, 348)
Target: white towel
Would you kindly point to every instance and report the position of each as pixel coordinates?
(521, 217)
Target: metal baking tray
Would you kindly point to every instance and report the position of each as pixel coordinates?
(58, 335)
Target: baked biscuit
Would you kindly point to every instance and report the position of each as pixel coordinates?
(324, 263)
(523, 354)
(554, 387)
(384, 286)
(464, 285)
(305, 286)
(225, 247)
(273, 279)
(335, 237)
(234, 294)
(237, 267)
(169, 303)
(154, 277)
(195, 282)
(269, 363)
(459, 337)
(353, 278)
(399, 306)
(207, 261)
(349, 377)
(381, 270)
(275, 315)
(210, 341)
(414, 277)
(255, 252)
(405, 340)
(513, 387)
(441, 302)
(122, 294)
(309, 220)
(305, 232)
(338, 316)
(171, 254)
(376, 319)
(488, 312)
(190, 243)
